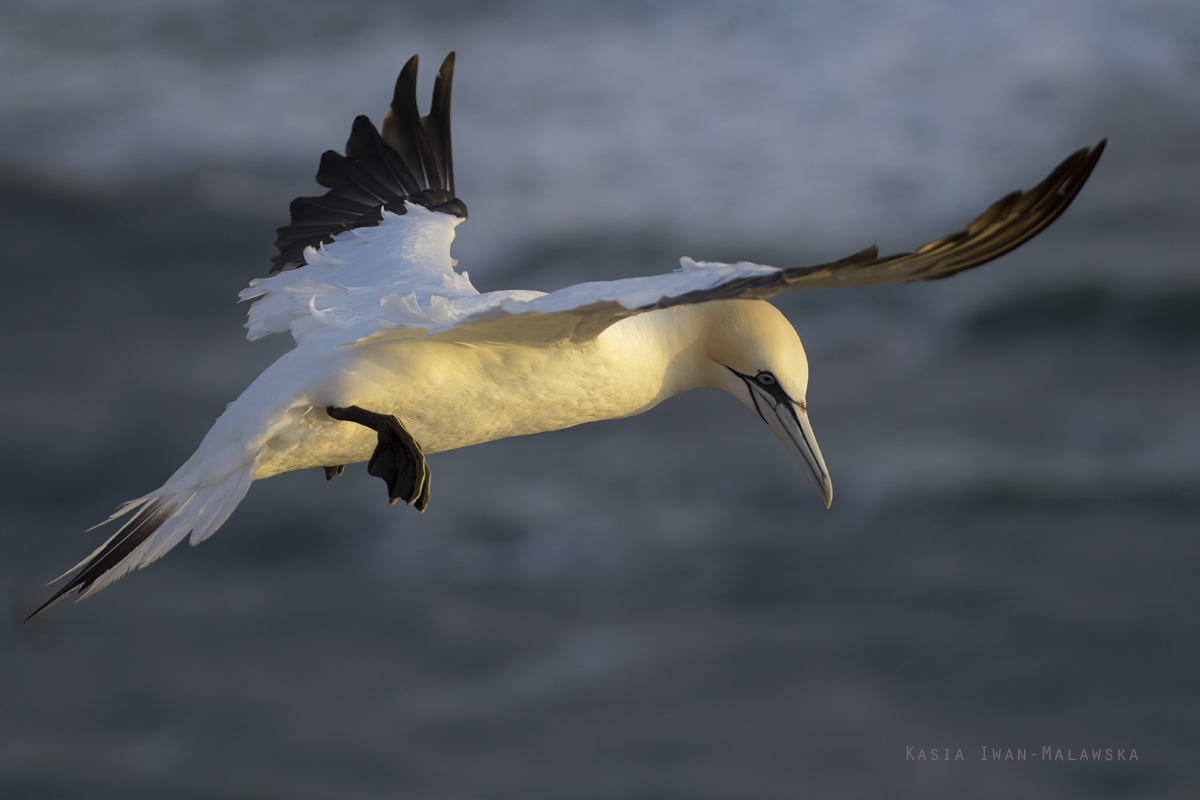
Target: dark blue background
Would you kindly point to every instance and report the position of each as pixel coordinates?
(648, 608)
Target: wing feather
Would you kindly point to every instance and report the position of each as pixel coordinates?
(437, 124)
(351, 181)
(400, 281)
(404, 133)
(410, 162)
(585, 310)
(1008, 223)
(366, 146)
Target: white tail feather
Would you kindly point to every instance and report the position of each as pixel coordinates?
(171, 532)
(173, 513)
(224, 501)
(124, 509)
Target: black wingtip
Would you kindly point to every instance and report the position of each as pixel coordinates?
(406, 83)
(1069, 177)
(445, 72)
(410, 160)
(1007, 224)
(437, 124)
(1090, 162)
(1093, 158)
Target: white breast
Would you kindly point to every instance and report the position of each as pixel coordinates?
(452, 394)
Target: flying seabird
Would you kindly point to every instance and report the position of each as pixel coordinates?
(397, 355)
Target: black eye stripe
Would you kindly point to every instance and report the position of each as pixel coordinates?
(772, 387)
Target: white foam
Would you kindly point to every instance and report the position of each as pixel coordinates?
(820, 123)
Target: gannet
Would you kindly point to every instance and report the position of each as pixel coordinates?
(398, 356)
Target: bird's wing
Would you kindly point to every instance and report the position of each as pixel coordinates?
(411, 161)
(1010, 222)
(581, 312)
(382, 231)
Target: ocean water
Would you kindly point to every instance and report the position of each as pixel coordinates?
(648, 608)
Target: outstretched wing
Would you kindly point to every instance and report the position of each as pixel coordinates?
(1010, 222)
(583, 311)
(411, 162)
(377, 244)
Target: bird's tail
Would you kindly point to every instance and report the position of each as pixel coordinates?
(159, 521)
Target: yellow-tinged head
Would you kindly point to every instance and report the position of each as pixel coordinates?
(751, 351)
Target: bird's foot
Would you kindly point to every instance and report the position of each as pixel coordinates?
(333, 472)
(397, 459)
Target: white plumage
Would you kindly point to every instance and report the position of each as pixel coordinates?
(397, 355)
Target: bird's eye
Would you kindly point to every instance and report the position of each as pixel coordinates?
(765, 379)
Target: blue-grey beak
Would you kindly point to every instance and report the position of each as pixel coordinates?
(789, 420)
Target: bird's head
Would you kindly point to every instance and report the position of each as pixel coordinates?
(756, 356)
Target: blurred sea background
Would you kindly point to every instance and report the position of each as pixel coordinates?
(652, 608)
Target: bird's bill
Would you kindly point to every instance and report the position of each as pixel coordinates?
(793, 429)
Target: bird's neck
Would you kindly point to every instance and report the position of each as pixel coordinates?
(675, 344)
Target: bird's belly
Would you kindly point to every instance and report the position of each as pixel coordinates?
(451, 395)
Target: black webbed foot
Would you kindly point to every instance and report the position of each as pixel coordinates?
(397, 459)
(333, 472)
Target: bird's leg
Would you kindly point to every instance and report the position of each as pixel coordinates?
(397, 459)
(333, 472)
